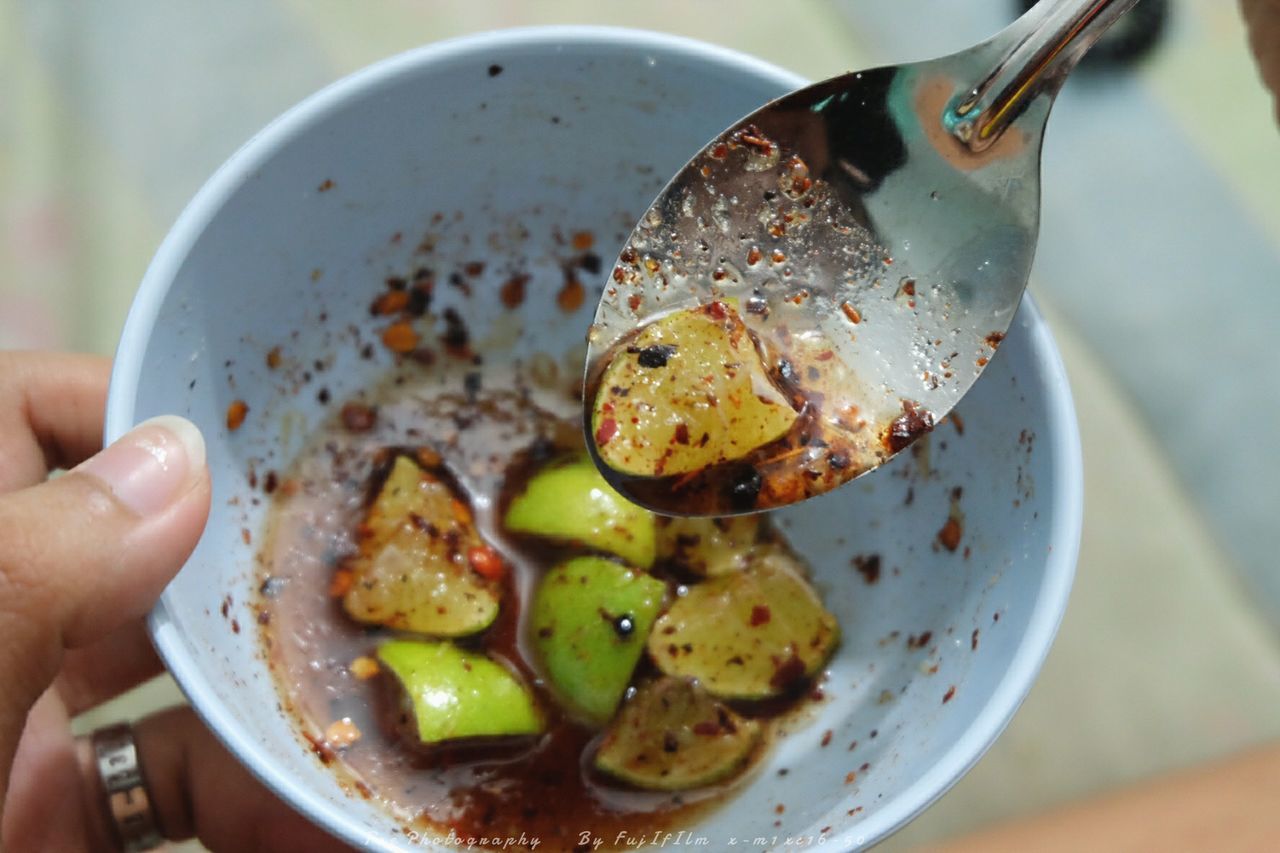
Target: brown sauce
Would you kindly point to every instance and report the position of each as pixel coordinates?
(490, 435)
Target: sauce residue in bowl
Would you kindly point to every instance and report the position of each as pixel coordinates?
(491, 427)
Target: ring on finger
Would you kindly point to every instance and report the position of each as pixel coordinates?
(128, 799)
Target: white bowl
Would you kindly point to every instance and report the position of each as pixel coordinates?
(579, 130)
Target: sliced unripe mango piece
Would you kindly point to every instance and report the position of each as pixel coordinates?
(708, 546)
(414, 567)
(687, 392)
(589, 621)
(571, 501)
(673, 736)
(455, 694)
(752, 634)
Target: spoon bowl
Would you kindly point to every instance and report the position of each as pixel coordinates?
(874, 234)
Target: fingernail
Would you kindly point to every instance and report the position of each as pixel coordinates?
(152, 464)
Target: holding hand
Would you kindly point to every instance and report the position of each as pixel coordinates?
(83, 557)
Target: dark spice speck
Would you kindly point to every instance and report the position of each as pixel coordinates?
(357, 417)
(471, 384)
(419, 300)
(744, 487)
(455, 337)
(787, 371)
(272, 585)
(653, 356)
(910, 425)
(868, 565)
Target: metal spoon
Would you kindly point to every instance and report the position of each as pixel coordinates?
(874, 232)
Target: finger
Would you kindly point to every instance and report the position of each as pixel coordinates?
(51, 412)
(198, 788)
(1262, 17)
(85, 552)
(119, 661)
(82, 554)
(47, 804)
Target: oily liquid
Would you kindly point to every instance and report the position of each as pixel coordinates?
(543, 787)
(805, 302)
(829, 443)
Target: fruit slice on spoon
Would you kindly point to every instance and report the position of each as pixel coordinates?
(686, 393)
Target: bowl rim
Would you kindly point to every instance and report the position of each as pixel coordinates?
(1068, 490)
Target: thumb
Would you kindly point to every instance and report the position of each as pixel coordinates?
(82, 553)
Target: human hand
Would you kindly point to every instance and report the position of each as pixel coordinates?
(1262, 17)
(83, 557)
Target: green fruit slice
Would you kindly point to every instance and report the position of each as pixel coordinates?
(673, 736)
(572, 501)
(687, 392)
(708, 546)
(456, 694)
(590, 619)
(413, 569)
(753, 634)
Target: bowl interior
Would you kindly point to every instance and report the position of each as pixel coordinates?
(500, 147)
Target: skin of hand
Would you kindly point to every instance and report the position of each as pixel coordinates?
(83, 557)
(1262, 17)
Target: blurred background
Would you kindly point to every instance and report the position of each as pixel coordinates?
(1158, 267)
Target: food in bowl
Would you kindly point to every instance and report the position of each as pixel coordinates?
(470, 623)
(901, 716)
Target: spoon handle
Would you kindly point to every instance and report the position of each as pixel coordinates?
(1044, 45)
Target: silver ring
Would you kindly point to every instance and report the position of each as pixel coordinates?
(127, 796)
